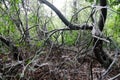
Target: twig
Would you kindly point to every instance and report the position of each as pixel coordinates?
(113, 78)
(103, 39)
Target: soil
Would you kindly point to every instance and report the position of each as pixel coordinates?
(52, 64)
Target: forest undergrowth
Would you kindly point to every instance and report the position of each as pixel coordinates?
(52, 63)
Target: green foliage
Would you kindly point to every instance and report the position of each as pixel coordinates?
(114, 2)
(114, 22)
(97, 1)
(89, 0)
(113, 27)
(40, 16)
(70, 37)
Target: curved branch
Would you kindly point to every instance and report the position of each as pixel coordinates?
(64, 20)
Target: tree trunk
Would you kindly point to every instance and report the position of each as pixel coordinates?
(101, 56)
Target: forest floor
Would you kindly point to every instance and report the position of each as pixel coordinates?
(52, 64)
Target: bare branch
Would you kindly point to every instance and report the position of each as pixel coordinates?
(65, 21)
